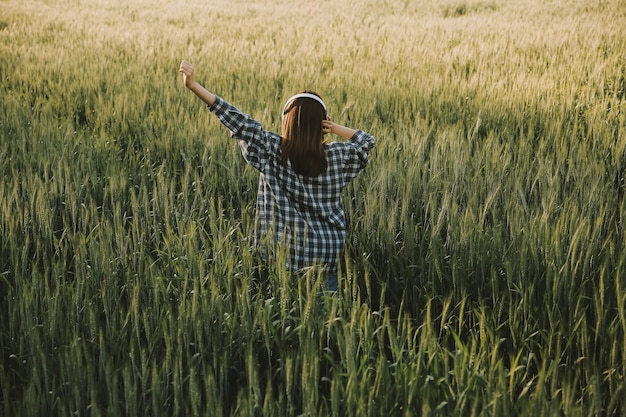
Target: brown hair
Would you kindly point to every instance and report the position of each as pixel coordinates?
(302, 137)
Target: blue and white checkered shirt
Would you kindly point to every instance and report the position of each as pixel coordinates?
(304, 213)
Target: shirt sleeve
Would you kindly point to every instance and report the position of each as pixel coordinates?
(257, 145)
(356, 156)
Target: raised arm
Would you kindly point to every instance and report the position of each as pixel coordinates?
(188, 78)
(339, 130)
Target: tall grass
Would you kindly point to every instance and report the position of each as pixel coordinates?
(485, 267)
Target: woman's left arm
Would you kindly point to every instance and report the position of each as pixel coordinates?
(205, 95)
(257, 145)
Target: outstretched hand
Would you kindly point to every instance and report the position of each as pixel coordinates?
(187, 70)
(190, 82)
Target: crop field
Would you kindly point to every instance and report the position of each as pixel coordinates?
(485, 268)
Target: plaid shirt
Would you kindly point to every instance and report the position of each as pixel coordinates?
(304, 213)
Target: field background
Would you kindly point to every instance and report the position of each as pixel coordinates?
(485, 272)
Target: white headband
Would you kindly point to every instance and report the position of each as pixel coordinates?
(304, 95)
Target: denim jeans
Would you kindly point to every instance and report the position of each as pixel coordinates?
(333, 283)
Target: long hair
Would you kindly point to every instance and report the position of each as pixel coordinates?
(302, 137)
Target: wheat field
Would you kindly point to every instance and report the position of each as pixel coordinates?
(485, 268)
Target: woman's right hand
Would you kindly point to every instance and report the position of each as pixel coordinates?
(327, 126)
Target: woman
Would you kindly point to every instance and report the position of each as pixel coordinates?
(302, 175)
